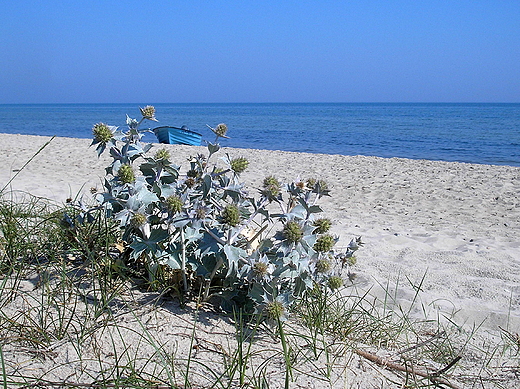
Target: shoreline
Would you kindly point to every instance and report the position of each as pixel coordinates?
(285, 151)
(451, 226)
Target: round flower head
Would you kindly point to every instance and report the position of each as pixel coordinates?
(238, 165)
(323, 185)
(324, 243)
(272, 187)
(322, 226)
(102, 133)
(201, 212)
(220, 130)
(323, 266)
(335, 282)
(275, 310)
(126, 174)
(162, 154)
(351, 261)
(138, 220)
(292, 232)
(148, 112)
(261, 268)
(174, 204)
(231, 215)
(311, 182)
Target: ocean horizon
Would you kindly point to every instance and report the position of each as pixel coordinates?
(485, 133)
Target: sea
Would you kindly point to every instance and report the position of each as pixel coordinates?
(473, 133)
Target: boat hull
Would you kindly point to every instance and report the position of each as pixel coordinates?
(177, 136)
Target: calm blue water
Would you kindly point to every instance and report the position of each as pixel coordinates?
(476, 133)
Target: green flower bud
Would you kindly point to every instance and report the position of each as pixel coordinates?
(292, 232)
(274, 310)
(148, 112)
(260, 269)
(238, 165)
(162, 154)
(311, 182)
(335, 282)
(200, 213)
(138, 220)
(324, 243)
(221, 130)
(174, 204)
(231, 215)
(323, 266)
(272, 187)
(323, 185)
(322, 226)
(126, 174)
(102, 133)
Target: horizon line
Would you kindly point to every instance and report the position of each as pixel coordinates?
(277, 102)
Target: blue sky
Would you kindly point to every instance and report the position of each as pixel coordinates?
(107, 51)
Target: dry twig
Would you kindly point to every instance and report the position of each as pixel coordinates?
(433, 377)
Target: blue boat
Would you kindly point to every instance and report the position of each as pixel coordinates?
(177, 136)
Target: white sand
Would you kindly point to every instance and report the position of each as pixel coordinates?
(453, 226)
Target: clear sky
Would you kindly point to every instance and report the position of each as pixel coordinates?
(117, 51)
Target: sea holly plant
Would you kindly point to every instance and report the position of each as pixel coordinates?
(208, 233)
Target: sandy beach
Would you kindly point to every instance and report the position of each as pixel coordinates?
(452, 229)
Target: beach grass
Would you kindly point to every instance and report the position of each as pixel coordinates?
(70, 318)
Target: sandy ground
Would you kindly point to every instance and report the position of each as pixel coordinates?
(451, 230)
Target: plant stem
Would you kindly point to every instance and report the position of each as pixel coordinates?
(183, 261)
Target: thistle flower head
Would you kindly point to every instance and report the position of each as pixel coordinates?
(126, 174)
(148, 112)
(335, 282)
(238, 165)
(102, 133)
(201, 212)
(322, 225)
(260, 269)
(275, 310)
(323, 185)
(220, 130)
(311, 183)
(324, 243)
(292, 232)
(351, 261)
(272, 187)
(162, 154)
(323, 266)
(231, 215)
(174, 204)
(138, 220)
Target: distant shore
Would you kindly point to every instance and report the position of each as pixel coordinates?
(455, 224)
